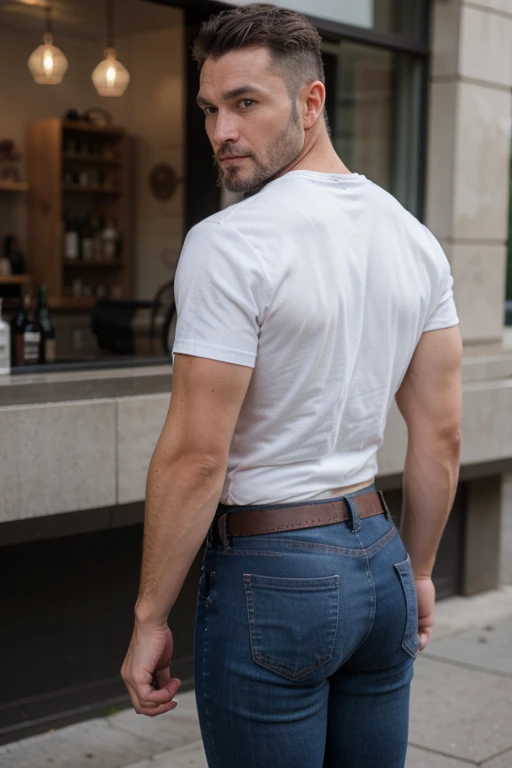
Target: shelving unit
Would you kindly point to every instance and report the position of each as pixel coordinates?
(90, 189)
(13, 186)
(13, 288)
(59, 155)
(79, 303)
(15, 279)
(86, 159)
(81, 264)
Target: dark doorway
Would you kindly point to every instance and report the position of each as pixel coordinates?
(67, 617)
(202, 195)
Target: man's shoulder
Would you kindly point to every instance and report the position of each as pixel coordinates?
(253, 217)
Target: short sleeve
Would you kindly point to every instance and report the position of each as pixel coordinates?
(222, 292)
(443, 313)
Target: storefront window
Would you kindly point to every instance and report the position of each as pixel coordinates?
(508, 296)
(95, 203)
(91, 188)
(394, 17)
(374, 114)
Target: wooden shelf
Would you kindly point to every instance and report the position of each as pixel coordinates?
(13, 186)
(90, 263)
(79, 126)
(15, 279)
(90, 159)
(72, 302)
(95, 190)
(52, 151)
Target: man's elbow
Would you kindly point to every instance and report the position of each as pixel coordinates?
(201, 464)
(444, 443)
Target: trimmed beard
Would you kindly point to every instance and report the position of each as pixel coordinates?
(281, 152)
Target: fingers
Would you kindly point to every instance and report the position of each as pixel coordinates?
(163, 677)
(424, 636)
(147, 701)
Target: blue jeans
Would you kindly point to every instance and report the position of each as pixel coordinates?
(304, 646)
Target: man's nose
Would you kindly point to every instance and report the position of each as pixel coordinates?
(226, 129)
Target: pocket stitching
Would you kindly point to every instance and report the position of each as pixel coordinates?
(274, 666)
(404, 572)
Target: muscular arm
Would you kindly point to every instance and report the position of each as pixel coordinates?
(184, 484)
(186, 475)
(430, 400)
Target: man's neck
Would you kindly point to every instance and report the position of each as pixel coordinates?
(318, 154)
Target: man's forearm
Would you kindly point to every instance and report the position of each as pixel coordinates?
(181, 498)
(429, 487)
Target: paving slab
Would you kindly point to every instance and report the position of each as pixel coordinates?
(92, 744)
(459, 712)
(422, 758)
(488, 648)
(187, 757)
(164, 732)
(170, 731)
(502, 761)
(458, 614)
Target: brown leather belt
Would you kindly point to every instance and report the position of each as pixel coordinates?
(307, 515)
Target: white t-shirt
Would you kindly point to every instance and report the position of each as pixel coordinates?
(323, 283)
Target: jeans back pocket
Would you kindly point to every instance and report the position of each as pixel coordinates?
(411, 640)
(292, 622)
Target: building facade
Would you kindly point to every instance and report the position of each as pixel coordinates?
(419, 100)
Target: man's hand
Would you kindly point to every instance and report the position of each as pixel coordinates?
(149, 655)
(426, 593)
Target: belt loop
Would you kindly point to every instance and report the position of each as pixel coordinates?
(387, 513)
(355, 518)
(224, 531)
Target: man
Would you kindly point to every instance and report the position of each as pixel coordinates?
(302, 312)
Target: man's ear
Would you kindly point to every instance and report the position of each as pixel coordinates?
(313, 99)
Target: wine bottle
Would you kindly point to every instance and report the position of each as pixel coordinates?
(5, 345)
(18, 329)
(47, 350)
(98, 227)
(110, 237)
(87, 241)
(71, 240)
(31, 336)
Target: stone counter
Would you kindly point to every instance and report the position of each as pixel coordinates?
(25, 389)
(83, 441)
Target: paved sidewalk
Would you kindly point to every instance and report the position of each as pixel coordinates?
(461, 713)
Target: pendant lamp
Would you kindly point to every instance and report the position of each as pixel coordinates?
(110, 77)
(47, 63)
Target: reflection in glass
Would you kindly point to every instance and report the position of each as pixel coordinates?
(397, 17)
(374, 115)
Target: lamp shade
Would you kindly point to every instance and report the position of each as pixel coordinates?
(110, 77)
(47, 63)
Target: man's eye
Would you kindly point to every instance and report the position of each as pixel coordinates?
(210, 110)
(246, 103)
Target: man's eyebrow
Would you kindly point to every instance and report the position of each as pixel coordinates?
(240, 91)
(234, 93)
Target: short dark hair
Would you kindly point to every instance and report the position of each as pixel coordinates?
(293, 41)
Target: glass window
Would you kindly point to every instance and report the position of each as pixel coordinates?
(374, 112)
(508, 295)
(92, 200)
(400, 17)
(397, 17)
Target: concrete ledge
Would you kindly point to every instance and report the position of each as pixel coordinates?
(486, 428)
(70, 456)
(57, 458)
(24, 389)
